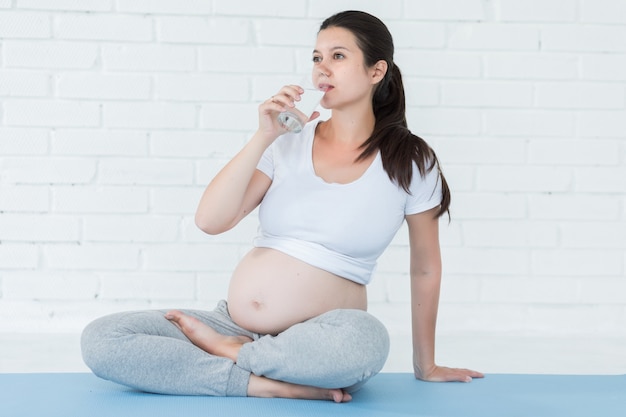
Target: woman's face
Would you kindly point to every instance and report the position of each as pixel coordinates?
(339, 69)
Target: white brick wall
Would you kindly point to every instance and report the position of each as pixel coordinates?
(114, 114)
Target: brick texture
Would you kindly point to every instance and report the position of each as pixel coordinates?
(114, 115)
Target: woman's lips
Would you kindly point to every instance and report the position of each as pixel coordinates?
(325, 87)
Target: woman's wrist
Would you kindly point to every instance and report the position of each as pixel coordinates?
(423, 369)
(263, 138)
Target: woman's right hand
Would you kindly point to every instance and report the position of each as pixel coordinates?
(269, 110)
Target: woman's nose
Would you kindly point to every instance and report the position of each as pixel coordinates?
(321, 69)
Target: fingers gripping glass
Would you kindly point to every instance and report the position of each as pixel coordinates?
(309, 100)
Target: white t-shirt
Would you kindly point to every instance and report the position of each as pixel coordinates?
(341, 228)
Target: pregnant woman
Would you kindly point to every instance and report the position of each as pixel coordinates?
(331, 198)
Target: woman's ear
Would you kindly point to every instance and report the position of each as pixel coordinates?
(379, 70)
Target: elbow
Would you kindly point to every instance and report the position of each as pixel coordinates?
(208, 230)
(427, 272)
(209, 226)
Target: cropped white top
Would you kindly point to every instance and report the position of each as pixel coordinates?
(340, 228)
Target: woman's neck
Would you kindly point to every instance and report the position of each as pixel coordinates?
(349, 129)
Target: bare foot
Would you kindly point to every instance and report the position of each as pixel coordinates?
(205, 337)
(269, 388)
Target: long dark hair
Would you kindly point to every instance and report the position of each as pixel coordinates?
(399, 148)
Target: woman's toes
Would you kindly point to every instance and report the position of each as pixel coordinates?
(187, 324)
(340, 396)
(173, 315)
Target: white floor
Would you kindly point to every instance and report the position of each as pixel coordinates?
(489, 353)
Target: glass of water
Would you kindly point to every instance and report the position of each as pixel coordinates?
(309, 100)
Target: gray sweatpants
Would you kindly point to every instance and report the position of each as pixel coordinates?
(143, 350)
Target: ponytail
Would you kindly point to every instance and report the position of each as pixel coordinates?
(399, 148)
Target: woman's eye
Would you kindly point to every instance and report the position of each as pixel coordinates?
(317, 59)
(338, 56)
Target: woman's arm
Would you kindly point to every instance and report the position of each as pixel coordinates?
(425, 285)
(234, 192)
(238, 188)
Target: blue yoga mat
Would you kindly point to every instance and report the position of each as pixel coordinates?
(387, 394)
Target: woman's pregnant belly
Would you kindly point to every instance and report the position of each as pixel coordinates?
(271, 291)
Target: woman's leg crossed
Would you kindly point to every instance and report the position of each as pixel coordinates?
(146, 351)
(338, 349)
